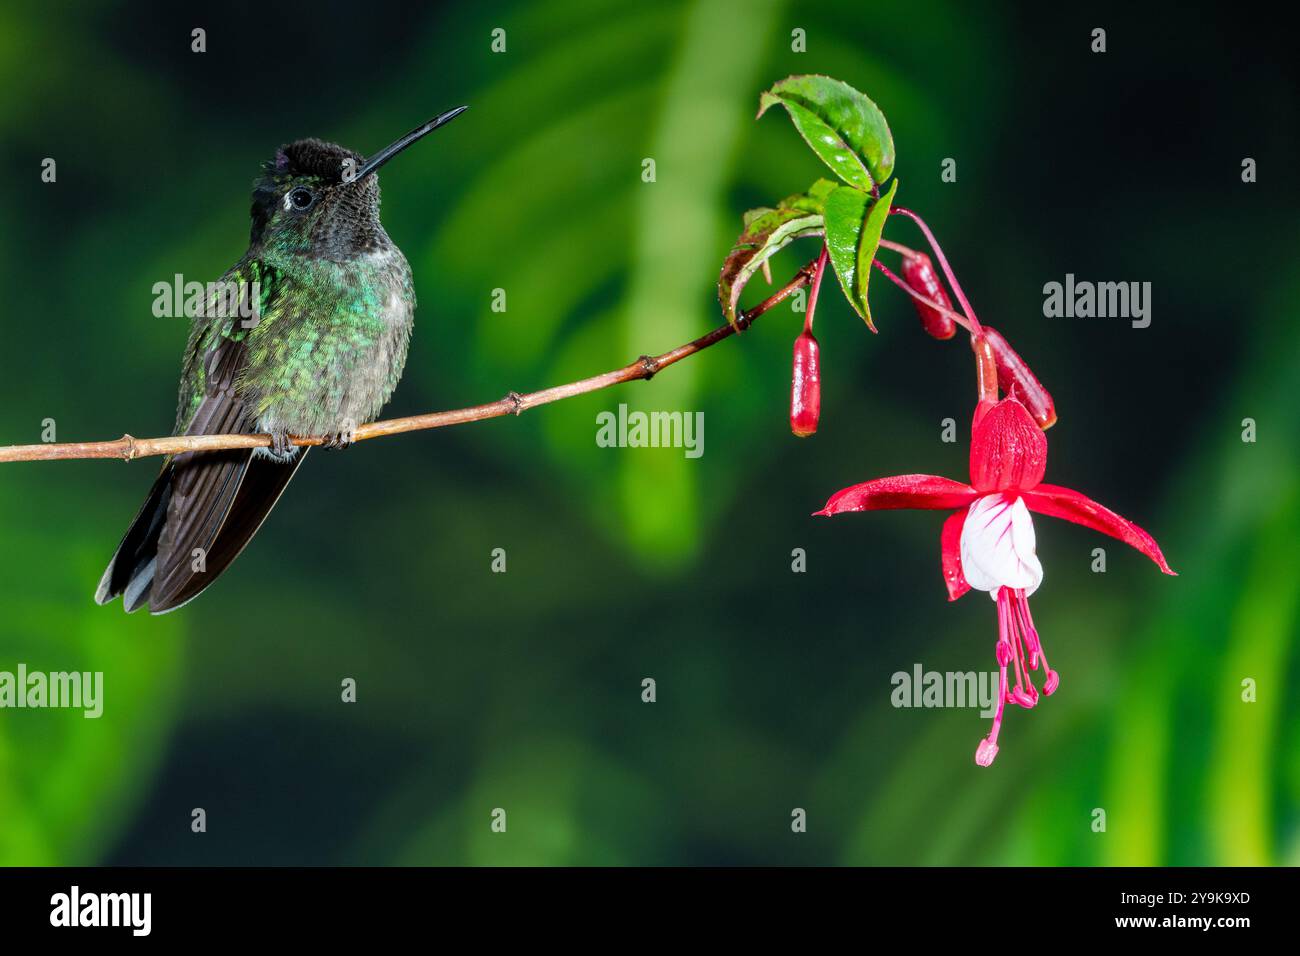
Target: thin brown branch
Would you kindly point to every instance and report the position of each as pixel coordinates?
(128, 448)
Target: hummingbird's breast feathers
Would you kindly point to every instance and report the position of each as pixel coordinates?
(334, 347)
(328, 347)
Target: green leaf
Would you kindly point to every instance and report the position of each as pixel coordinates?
(842, 126)
(845, 210)
(870, 242)
(853, 226)
(814, 200)
(767, 232)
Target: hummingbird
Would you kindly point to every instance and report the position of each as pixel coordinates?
(331, 302)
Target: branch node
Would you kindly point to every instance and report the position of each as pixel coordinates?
(517, 400)
(130, 448)
(649, 366)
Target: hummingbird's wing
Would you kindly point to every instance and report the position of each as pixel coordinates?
(219, 499)
(204, 507)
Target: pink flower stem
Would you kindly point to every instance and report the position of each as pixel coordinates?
(897, 247)
(818, 270)
(985, 364)
(974, 326)
(902, 284)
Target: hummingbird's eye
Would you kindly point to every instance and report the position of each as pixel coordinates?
(299, 198)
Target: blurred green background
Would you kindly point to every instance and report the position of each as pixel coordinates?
(522, 690)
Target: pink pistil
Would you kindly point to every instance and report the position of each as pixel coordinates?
(1019, 647)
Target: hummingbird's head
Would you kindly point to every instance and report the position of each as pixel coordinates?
(321, 200)
(303, 204)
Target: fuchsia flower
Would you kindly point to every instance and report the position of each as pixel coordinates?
(988, 542)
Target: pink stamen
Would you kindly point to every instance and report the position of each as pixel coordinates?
(988, 747)
(1051, 679)
(1019, 647)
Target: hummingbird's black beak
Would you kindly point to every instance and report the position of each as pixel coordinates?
(391, 150)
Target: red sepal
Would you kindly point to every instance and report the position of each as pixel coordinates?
(901, 491)
(1067, 503)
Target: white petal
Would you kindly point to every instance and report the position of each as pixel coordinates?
(997, 546)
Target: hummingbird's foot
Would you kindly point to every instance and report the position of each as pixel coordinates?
(340, 439)
(282, 447)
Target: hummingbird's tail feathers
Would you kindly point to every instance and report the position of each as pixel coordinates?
(221, 506)
(131, 569)
(136, 594)
(184, 510)
(264, 482)
(203, 490)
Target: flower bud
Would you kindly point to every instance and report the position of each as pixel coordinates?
(1012, 370)
(920, 275)
(806, 386)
